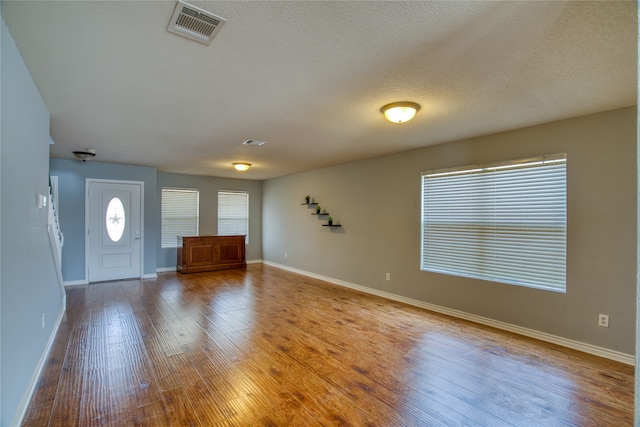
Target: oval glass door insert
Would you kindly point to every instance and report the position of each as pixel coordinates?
(115, 219)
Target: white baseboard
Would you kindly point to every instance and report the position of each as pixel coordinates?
(86, 282)
(255, 261)
(75, 282)
(26, 399)
(532, 333)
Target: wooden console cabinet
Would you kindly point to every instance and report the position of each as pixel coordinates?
(210, 253)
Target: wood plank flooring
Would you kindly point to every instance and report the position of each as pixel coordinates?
(265, 347)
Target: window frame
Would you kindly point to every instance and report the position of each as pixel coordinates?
(246, 218)
(505, 222)
(184, 231)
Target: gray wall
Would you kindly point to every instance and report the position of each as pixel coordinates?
(29, 286)
(72, 175)
(378, 203)
(208, 188)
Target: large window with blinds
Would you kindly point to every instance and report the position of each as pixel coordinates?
(504, 222)
(179, 215)
(233, 213)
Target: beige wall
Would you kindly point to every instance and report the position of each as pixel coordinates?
(378, 203)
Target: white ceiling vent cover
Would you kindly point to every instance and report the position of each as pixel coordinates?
(194, 23)
(255, 142)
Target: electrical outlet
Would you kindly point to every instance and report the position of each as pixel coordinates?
(43, 316)
(603, 320)
(388, 276)
(285, 254)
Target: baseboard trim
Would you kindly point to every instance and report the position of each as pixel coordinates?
(69, 283)
(531, 333)
(26, 399)
(167, 269)
(150, 276)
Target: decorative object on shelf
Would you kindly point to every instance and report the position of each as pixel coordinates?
(318, 209)
(330, 221)
(400, 112)
(309, 201)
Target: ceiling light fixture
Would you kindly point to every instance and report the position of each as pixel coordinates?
(89, 154)
(241, 166)
(400, 112)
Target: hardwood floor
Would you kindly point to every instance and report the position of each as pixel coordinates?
(265, 347)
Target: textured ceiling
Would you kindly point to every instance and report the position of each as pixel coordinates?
(310, 77)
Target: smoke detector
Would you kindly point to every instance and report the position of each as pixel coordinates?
(194, 23)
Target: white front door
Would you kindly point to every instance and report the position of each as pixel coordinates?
(114, 230)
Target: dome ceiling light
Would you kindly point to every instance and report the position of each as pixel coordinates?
(241, 166)
(400, 112)
(89, 154)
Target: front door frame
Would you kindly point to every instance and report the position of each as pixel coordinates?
(87, 254)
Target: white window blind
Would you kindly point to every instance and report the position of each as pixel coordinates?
(233, 213)
(179, 215)
(503, 222)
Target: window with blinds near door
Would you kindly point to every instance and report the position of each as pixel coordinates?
(233, 213)
(505, 222)
(179, 215)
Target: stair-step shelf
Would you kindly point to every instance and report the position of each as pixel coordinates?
(318, 212)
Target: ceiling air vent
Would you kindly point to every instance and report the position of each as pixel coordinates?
(255, 142)
(194, 23)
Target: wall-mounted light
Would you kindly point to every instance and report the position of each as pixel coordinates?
(400, 112)
(89, 154)
(241, 166)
